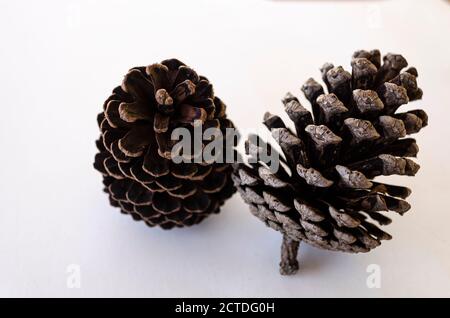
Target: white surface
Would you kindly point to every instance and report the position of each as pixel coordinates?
(60, 59)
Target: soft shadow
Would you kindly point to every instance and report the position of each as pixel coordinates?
(312, 259)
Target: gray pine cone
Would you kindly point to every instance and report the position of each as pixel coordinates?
(324, 192)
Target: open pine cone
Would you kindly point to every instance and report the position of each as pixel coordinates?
(135, 146)
(324, 192)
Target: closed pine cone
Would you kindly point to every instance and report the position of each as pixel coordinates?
(135, 146)
(326, 195)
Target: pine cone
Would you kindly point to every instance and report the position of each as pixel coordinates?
(135, 146)
(324, 192)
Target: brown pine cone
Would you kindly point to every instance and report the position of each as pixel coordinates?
(324, 192)
(135, 146)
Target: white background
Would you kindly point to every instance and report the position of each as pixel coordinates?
(60, 59)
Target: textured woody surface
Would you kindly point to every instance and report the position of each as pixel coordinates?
(324, 192)
(135, 146)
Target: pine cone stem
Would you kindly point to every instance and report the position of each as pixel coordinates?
(289, 250)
